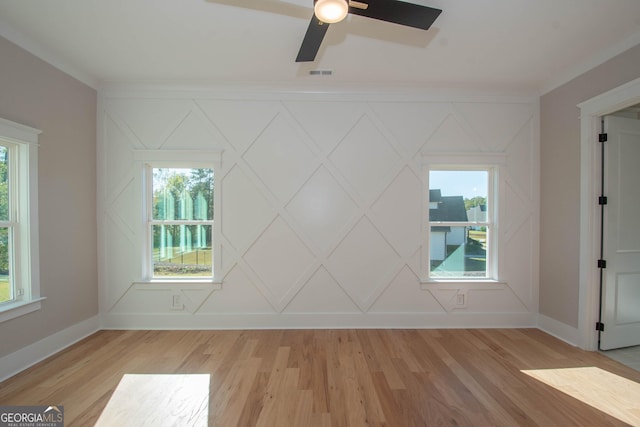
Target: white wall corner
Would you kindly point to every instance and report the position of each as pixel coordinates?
(28, 356)
(560, 330)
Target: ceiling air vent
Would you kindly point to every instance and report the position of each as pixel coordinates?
(321, 72)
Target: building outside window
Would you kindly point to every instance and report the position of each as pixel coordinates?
(460, 225)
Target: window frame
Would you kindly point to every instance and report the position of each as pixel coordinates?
(493, 163)
(22, 144)
(149, 159)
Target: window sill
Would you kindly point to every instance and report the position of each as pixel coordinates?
(480, 284)
(15, 309)
(160, 284)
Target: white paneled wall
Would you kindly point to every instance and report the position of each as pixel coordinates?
(321, 204)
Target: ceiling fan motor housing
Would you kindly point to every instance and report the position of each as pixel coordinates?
(331, 11)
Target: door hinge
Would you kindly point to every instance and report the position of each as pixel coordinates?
(602, 263)
(602, 200)
(600, 326)
(602, 137)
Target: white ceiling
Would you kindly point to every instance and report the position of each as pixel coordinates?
(522, 46)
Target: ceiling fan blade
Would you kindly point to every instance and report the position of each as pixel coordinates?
(398, 12)
(312, 40)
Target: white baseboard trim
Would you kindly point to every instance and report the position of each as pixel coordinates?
(560, 330)
(318, 321)
(28, 356)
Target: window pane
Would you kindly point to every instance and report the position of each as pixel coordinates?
(458, 252)
(182, 194)
(458, 196)
(4, 184)
(182, 250)
(6, 289)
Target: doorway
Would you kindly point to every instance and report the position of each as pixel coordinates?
(620, 237)
(591, 115)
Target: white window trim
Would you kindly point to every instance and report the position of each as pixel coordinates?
(494, 162)
(176, 159)
(27, 271)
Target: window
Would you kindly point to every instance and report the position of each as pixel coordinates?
(459, 230)
(181, 222)
(19, 267)
(461, 217)
(180, 205)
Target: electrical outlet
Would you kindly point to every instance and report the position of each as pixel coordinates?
(176, 302)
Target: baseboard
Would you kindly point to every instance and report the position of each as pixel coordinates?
(28, 356)
(560, 330)
(318, 321)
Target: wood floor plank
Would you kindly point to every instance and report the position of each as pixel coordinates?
(313, 369)
(276, 392)
(421, 377)
(304, 409)
(255, 401)
(400, 340)
(382, 353)
(226, 403)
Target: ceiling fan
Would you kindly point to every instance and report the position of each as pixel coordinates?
(328, 12)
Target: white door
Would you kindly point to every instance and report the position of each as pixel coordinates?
(621, 277)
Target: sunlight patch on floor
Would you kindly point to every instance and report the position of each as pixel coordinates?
(158, 400)
(610, 393)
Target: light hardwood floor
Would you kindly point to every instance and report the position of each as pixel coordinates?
(381, 377)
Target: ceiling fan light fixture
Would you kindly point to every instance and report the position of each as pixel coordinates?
(331, 11)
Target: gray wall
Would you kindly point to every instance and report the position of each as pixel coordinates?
(36, 94)
(560, 182)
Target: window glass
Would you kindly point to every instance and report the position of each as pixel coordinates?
(6, 288)
(4, 184)
(182, 222)
(182, 194)
(458, 223)
(6, 246)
